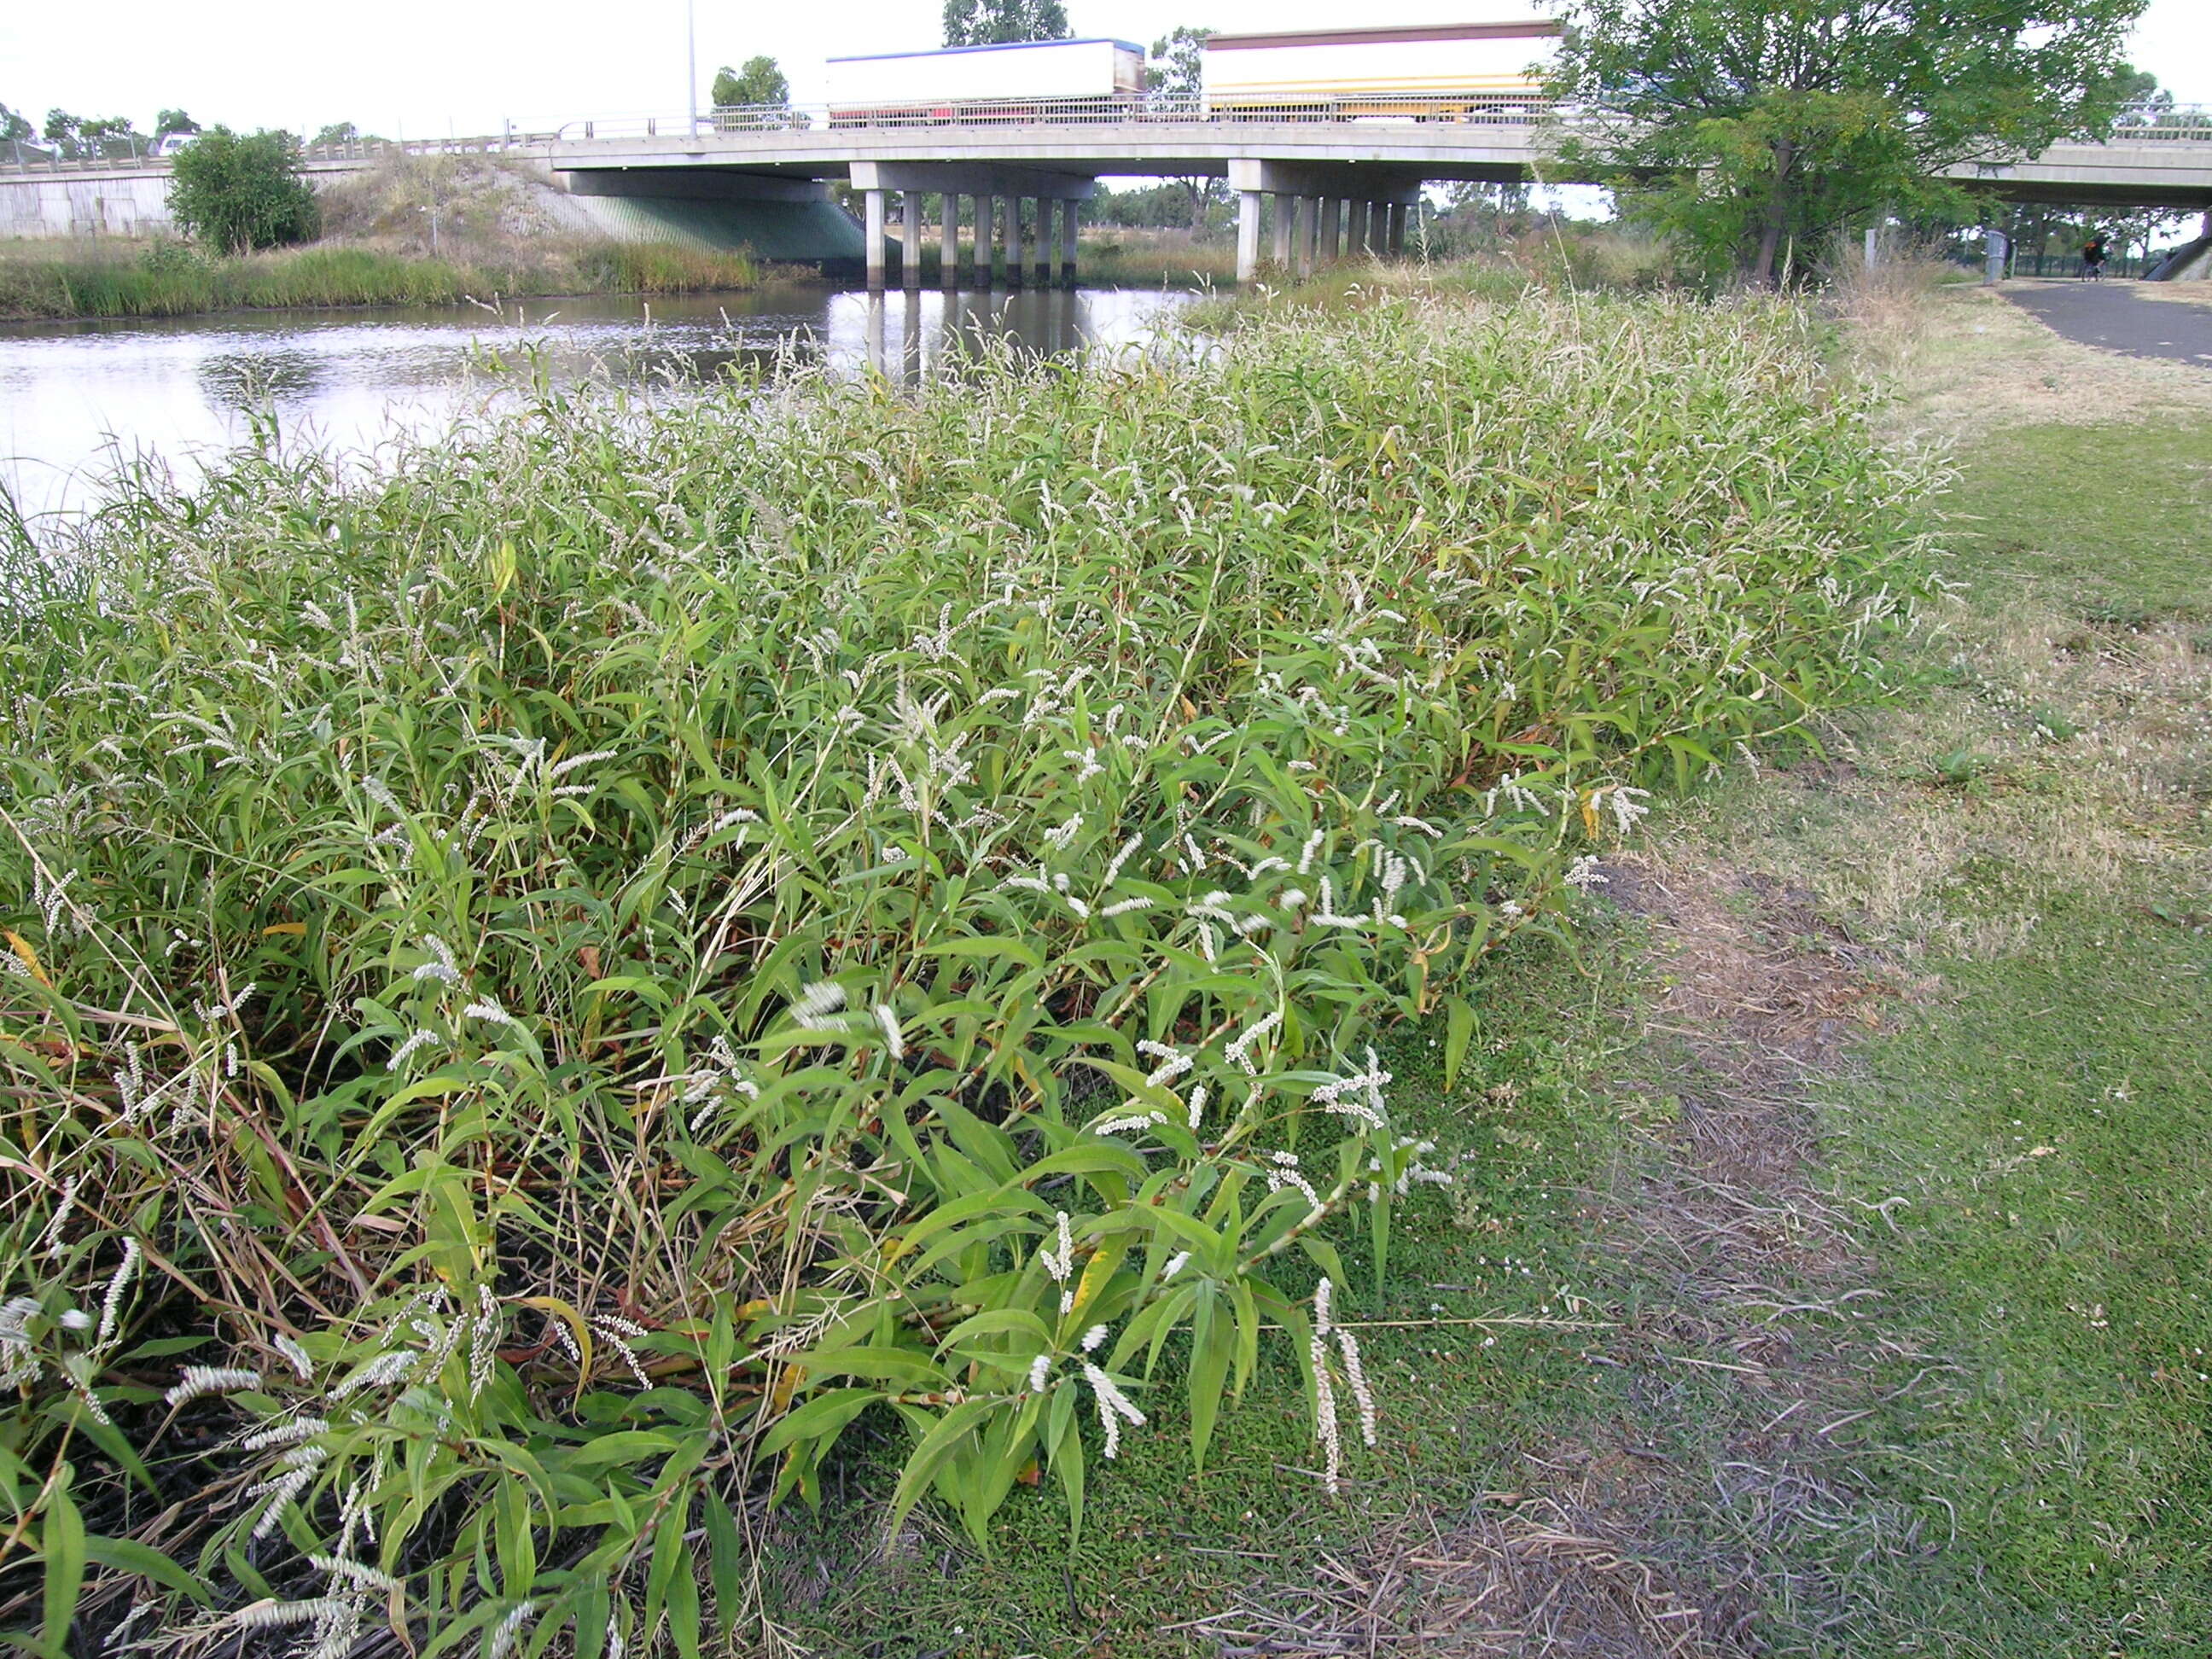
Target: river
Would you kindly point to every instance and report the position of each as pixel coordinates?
(79, 399)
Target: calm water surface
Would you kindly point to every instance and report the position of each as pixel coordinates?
(79, 399)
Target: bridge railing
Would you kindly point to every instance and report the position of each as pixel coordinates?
(1480, 108)
(358, 150)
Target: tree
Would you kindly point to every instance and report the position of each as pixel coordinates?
(240, 192)
(14, 127)
(1002, 23)
(1761, 130)
(89, 138)
(759, 82)
(1176, 77)
(336, 136)
(174, 121)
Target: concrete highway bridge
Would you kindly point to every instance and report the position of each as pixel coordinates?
(1311, 183)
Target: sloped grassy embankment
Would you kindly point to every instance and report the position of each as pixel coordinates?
(559, 983)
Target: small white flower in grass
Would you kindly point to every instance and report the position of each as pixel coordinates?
(1173, 1061)
(1126, 906)
(1324, 1392)
(1626, 804)
(1293, 900)
(1176, 1265)
(1312, 847)
(77, 1319)
(286, 1434)
(1060, 1263)
(385, 1370)
(198, 1380)
(577, 763)
(358, 1573)
(1197, 1104)
(1064, 833)
(1092, 1338)
(400, 1055)
(509, 1629)
(1585, 873)
(1114, 1407)
(1240, 1047)
(817, 1002)
(491, 1013)
(894, 1040)
(111, 1305)
(274, 1615)
(285, 1488)
(1040, 1368)
(1128, 851)
(441, 967)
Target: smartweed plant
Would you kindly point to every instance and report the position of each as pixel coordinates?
(547, 987)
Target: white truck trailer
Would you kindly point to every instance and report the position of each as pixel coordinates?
(1434, 71)
(1050, 80)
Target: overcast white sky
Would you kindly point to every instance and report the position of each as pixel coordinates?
(426, 66)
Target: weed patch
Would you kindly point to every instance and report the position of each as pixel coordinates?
(643, 959)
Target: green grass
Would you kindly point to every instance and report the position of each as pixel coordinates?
(2107, 518)
(2035, 835)
(2050, 1121)
(173, 280)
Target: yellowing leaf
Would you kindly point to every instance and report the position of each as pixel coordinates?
(296, 929)
(29, 958)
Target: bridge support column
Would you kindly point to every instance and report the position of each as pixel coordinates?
(1041, 243)
(1074, 217)
(873, 216)
(1247, 234)
(986, 232)
(1286, 210)
(1309, 211)
(1355, 236)
(948, 240)
(1329, 237)
(910, 238)
(1010, 209)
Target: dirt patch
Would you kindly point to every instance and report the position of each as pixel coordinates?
(1734, 1392)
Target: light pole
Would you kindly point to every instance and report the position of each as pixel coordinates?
(691, 63)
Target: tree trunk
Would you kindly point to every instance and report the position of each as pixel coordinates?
(1776, 218)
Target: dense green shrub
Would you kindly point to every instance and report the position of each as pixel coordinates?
(575, 973)
(240, 192)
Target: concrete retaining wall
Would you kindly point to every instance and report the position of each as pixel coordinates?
(86, 204)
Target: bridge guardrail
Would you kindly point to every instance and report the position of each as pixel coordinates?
(2153, 123)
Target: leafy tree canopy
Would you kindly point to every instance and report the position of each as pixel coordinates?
(760, 81)
(14, 126)
(86, 138)
(1761, 130)
(173, 120)
(1177, 69)
(337, 134)
(1002, 23)
(238, 192)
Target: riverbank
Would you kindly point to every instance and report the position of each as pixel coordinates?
(44, 282)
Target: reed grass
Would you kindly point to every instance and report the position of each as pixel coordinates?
(173, 280)
(566, 979)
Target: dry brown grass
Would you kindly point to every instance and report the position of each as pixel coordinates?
(1986, 363)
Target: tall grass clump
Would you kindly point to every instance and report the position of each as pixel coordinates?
(170, 279)
(546, 988)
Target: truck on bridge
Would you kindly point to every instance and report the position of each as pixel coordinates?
(1429, 71)
(1054, 80)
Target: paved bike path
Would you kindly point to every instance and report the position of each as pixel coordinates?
(2113, 315)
